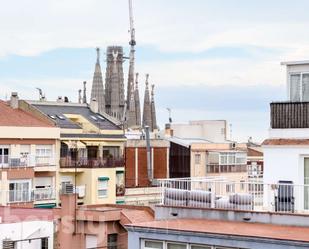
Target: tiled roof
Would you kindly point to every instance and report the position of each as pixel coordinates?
(243, 229)
(17, 117)
(283, 141)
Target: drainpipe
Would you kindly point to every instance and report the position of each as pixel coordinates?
(149, 166)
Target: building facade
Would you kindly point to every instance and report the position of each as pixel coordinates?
(29, 156)
(91, 147)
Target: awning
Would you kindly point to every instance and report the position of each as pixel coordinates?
(46, 205)
(92, 143)
(74, 144)
(103, 178)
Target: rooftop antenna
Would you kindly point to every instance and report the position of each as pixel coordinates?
(169, 115)
(41, 94)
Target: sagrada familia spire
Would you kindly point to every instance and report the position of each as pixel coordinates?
(97, 91)
(112, 100)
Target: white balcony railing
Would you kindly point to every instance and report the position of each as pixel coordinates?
(44, 194)
(13, 161)
(17, 196)
(223, 194)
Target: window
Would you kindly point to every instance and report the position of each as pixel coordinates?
(200, 247)
(61, 117)
(44, 243)
(230, 188)
(43, 150)
(197, 158)
(102, 188)
(94, 118)
(52, 116)
(299, 87)
(4, 155)
(153, 244)
(176, 246)
(111, 152)
(19, 191)
(100, 117)
(112, 241)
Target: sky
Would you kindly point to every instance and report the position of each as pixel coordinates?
(208, 59)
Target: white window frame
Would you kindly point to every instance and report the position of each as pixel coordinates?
(301, 83)
(21, 181)
(152, 240)
(100, 189)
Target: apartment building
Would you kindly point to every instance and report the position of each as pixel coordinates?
(201, 158)
(140, 182)
(28, 157)
(91, 150)
(286, 151)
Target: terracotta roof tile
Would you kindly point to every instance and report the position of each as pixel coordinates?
(257, 230)
(283, 141)
(17, 117)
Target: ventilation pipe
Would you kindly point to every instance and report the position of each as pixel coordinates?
(14, 100)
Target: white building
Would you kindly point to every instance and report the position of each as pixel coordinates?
(212, 130)
(286, 151)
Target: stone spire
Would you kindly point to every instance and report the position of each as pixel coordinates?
(84, 93)
(115, 88)
(131, 115)
(147, 106)
(97, 91)
(137, 102)
(153, 110)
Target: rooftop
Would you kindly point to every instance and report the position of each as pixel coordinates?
(229, 228)
(17, 117)
(290, 63)
(56, 111)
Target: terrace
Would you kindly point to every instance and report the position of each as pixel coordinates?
(218, 193)
(27, 160)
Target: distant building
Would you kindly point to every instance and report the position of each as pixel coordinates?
(212, 130)
(111, 99)
(29, 156)
(140, 190)
(203, 158)
(91, 148)
(286, 151)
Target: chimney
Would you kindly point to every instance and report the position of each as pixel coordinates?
(80, 96)
(66, 99)
(14, 100)
(84, 93)
(94, 106)
(59, 100)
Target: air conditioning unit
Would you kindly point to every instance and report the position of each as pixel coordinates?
(233, 145)
(8, 244)
(67, 188)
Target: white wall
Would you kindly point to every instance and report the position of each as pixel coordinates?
(285, 163)
(28, 230)
(289, 133)
(213, 130)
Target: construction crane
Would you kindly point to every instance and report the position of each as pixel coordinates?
(132, 43)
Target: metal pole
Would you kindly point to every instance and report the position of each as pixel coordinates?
(149, 166)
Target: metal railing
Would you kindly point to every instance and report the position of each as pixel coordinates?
(44, 194)
(68, 162)
(26, 161)
(231, 195)
(17, 196)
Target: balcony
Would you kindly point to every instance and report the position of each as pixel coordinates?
(42, 194)
(218, 193)
(22, 161)
(287, 115)
(68, 162)
(229, 168)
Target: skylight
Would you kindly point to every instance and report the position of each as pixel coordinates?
(100, 117)
(61, 117)
(94, 117)
(52, 116)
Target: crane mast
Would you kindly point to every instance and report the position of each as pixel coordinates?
(131, 57)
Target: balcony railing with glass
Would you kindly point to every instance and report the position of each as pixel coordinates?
(26, 161)
(68, 162)
(18, 196)
(231, 195)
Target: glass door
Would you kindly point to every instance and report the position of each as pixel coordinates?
(4, 156)
(306, 182)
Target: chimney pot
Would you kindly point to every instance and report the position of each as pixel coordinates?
(14, 100)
